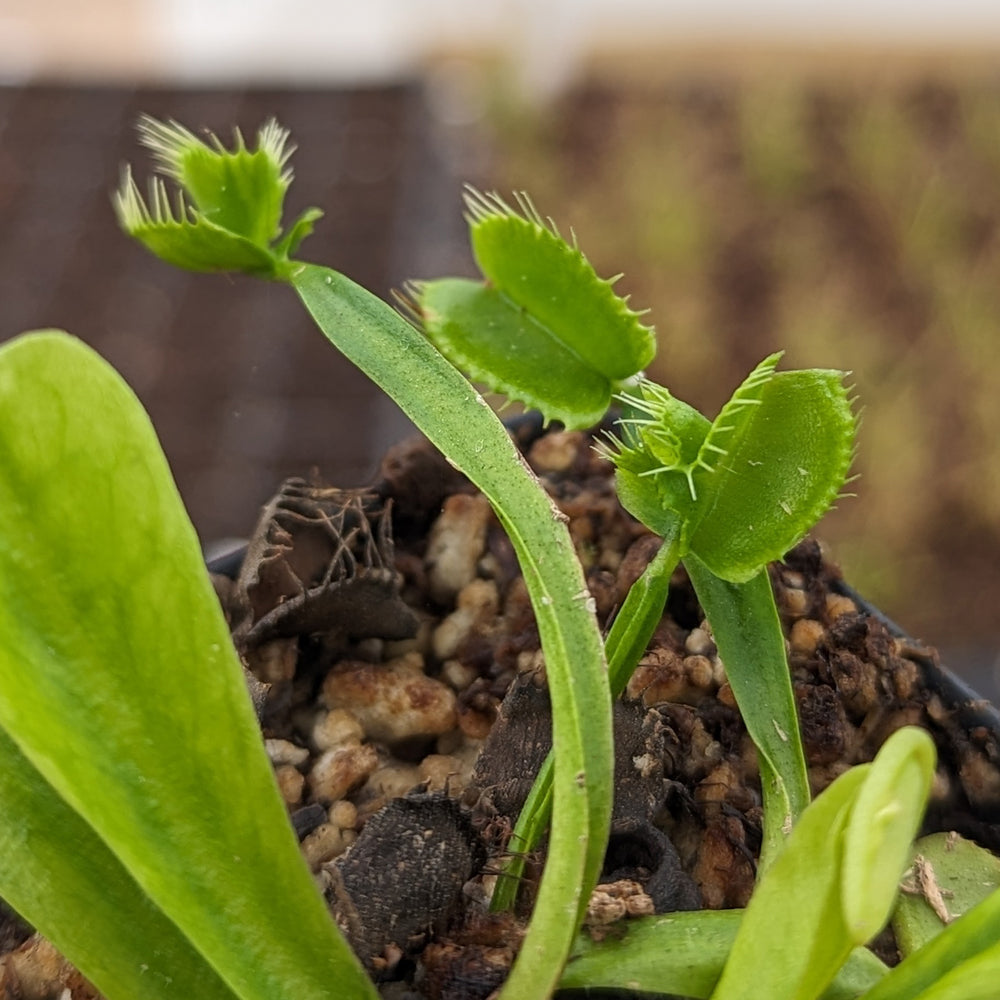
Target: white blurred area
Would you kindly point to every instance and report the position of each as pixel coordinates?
(543, 42)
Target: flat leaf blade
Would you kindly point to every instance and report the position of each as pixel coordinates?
(887, 816)
(497, 343)
(59, 875)
(134, 707)
(793, 937)
(967, 939)
(683, 954)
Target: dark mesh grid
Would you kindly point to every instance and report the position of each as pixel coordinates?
(243, 390)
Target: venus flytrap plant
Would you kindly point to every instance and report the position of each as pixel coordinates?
(226, 216)
(732, 496)
(727, 496)
(98, 546)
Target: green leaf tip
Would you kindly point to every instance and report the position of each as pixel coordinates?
(750, 485)
(879, 835)
(542, 328)
(226, 214)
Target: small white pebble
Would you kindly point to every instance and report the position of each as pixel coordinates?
(699, 671)
(795, 602)
(285, 752)
(440, 771)
(555, 451)
(837, 605)
(805, 636)
(290, 783)
(458, 674)
(344, 814)
(477, 602)
(339, 771)
(455, 544)
(323, 844)
(699, 643)
(392, 701)
(604, 909)
(640, 905)
(391, 781)
(336, 728)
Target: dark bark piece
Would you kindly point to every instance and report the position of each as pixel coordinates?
(516, 747)
(321, 560)
(14, 931)
(474, 962)
(637, 848)
(403, 877)
(306, 819)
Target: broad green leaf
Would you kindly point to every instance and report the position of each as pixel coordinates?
(63, 879)
(547, 330)
(785, 460)
(119, 684)
(507, 349)
(965, 948)
(748, 635)
(444, 406)
(834, 879)
(886, 817)
(793, 937)
(977, 978)
(683, 954)
(948, 875)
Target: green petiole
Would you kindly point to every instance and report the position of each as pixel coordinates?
(627, 640)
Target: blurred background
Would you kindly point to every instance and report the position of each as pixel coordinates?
(819, 178)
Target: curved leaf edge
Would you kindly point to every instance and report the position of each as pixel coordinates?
(623, 344)
(583, 396)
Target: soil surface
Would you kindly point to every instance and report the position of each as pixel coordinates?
(395, 664)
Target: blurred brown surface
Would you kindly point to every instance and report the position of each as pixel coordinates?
(242, 388)
(852, 219)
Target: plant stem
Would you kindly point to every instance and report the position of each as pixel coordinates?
(443, 404)
(630, 634)
(751, 644)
